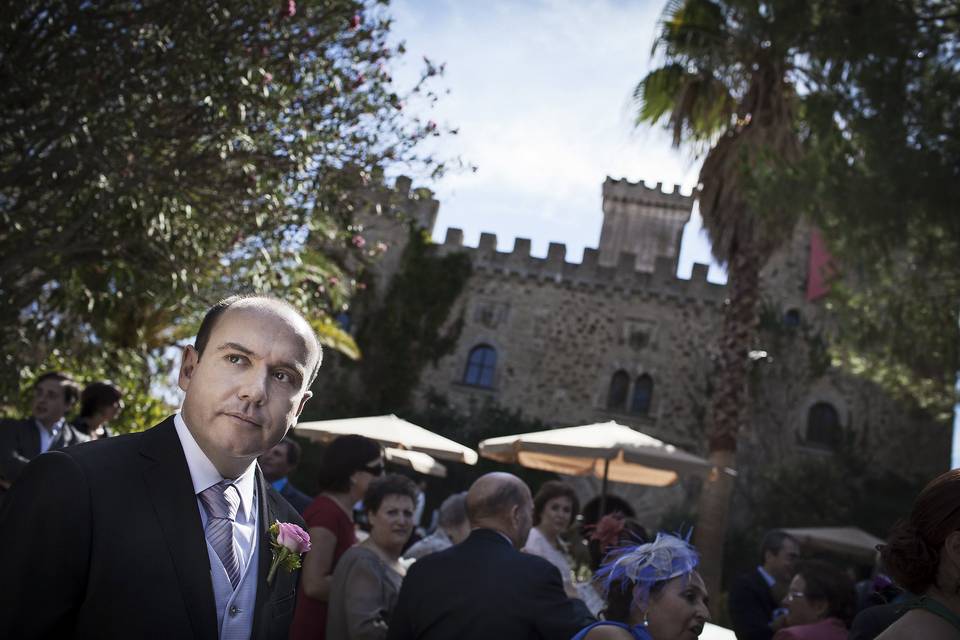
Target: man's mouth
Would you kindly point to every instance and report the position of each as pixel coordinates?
(244, 418)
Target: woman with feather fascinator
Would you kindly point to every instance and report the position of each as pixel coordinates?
(653, 592)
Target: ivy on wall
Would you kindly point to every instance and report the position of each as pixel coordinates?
(398, 334)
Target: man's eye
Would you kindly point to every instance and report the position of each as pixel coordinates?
(282, 376)
(234, 358)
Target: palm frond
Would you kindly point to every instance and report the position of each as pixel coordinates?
(693, 106)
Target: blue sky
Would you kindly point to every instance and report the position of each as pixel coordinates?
(540, 91)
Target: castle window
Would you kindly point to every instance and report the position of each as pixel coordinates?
(823, 426)
(642, 395)
(481, 364)
(791, 319)
(619, 385)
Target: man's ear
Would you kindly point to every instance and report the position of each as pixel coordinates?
(516, 515)
(188, 364)
(303, 401)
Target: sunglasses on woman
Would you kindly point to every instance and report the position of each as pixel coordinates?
(374, 470)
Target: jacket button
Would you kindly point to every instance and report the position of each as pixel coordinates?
(234, 610)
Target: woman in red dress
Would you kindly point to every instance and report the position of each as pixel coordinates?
(349, 464)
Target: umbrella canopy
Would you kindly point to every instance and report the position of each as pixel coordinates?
(390, 431)
(847, 540)
(606, 449)
(419, 462)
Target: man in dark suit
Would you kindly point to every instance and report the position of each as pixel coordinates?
(277, 465)
(45, 430)
(484, 588)
(751, 601)
(165, 533)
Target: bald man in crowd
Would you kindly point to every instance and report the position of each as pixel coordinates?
(485, 587)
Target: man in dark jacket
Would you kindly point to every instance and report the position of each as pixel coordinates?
(277, 465)
(485, 588)
(166, 533)
(46, 429)
(751, 602)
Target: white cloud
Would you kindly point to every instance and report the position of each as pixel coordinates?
(540, 91)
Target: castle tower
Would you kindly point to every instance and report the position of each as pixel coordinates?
(642, 221)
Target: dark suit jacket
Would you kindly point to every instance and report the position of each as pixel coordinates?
(751, 604)
(104, 540)
(297, 499)
(20, 443)
(483, 589)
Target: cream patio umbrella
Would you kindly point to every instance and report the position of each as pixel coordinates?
(850, 541)
(419, 462)
(606, 450)
(390, 431)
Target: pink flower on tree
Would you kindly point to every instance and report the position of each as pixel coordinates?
(288, 9)
(359, 242)
(355, 21)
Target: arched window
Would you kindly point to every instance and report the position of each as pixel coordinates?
(642, 395)
(481, 364)
(617, 396)
(823, 426)
(791, 319)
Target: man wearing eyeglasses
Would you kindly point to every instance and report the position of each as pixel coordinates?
(752, 603)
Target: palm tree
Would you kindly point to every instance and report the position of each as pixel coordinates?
(725, 88)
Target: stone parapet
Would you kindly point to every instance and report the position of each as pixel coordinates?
(588, 273)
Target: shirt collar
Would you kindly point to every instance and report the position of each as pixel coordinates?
(496, 531)
(54, 430)
(204, 475)
(769, 579)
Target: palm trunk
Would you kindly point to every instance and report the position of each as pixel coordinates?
(729, 408)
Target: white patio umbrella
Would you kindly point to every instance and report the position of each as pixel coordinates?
(419, 462)
(390, 431)
(606, 450)
(846, 540)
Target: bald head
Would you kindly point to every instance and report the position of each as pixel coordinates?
(501, 501)
(275, 306)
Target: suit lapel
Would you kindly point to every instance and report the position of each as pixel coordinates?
(171, 491)
(267, 515)
(29, 439)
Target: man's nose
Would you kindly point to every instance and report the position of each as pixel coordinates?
(254, 387)
(704, 611)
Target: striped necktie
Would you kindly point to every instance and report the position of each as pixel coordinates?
(222, 501)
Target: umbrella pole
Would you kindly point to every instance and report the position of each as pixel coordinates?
(603, 489)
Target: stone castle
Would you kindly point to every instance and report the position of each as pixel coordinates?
(620, 337)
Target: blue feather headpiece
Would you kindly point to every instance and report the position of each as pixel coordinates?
(642, 566)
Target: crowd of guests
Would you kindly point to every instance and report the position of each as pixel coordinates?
(47, 428)
(499, 562)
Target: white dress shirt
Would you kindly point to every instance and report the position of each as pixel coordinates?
(47, 436)
(204, 475)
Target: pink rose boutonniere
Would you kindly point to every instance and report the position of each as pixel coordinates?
(288, 541)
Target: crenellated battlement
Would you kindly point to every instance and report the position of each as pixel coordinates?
(639, 193)
(554, 268)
